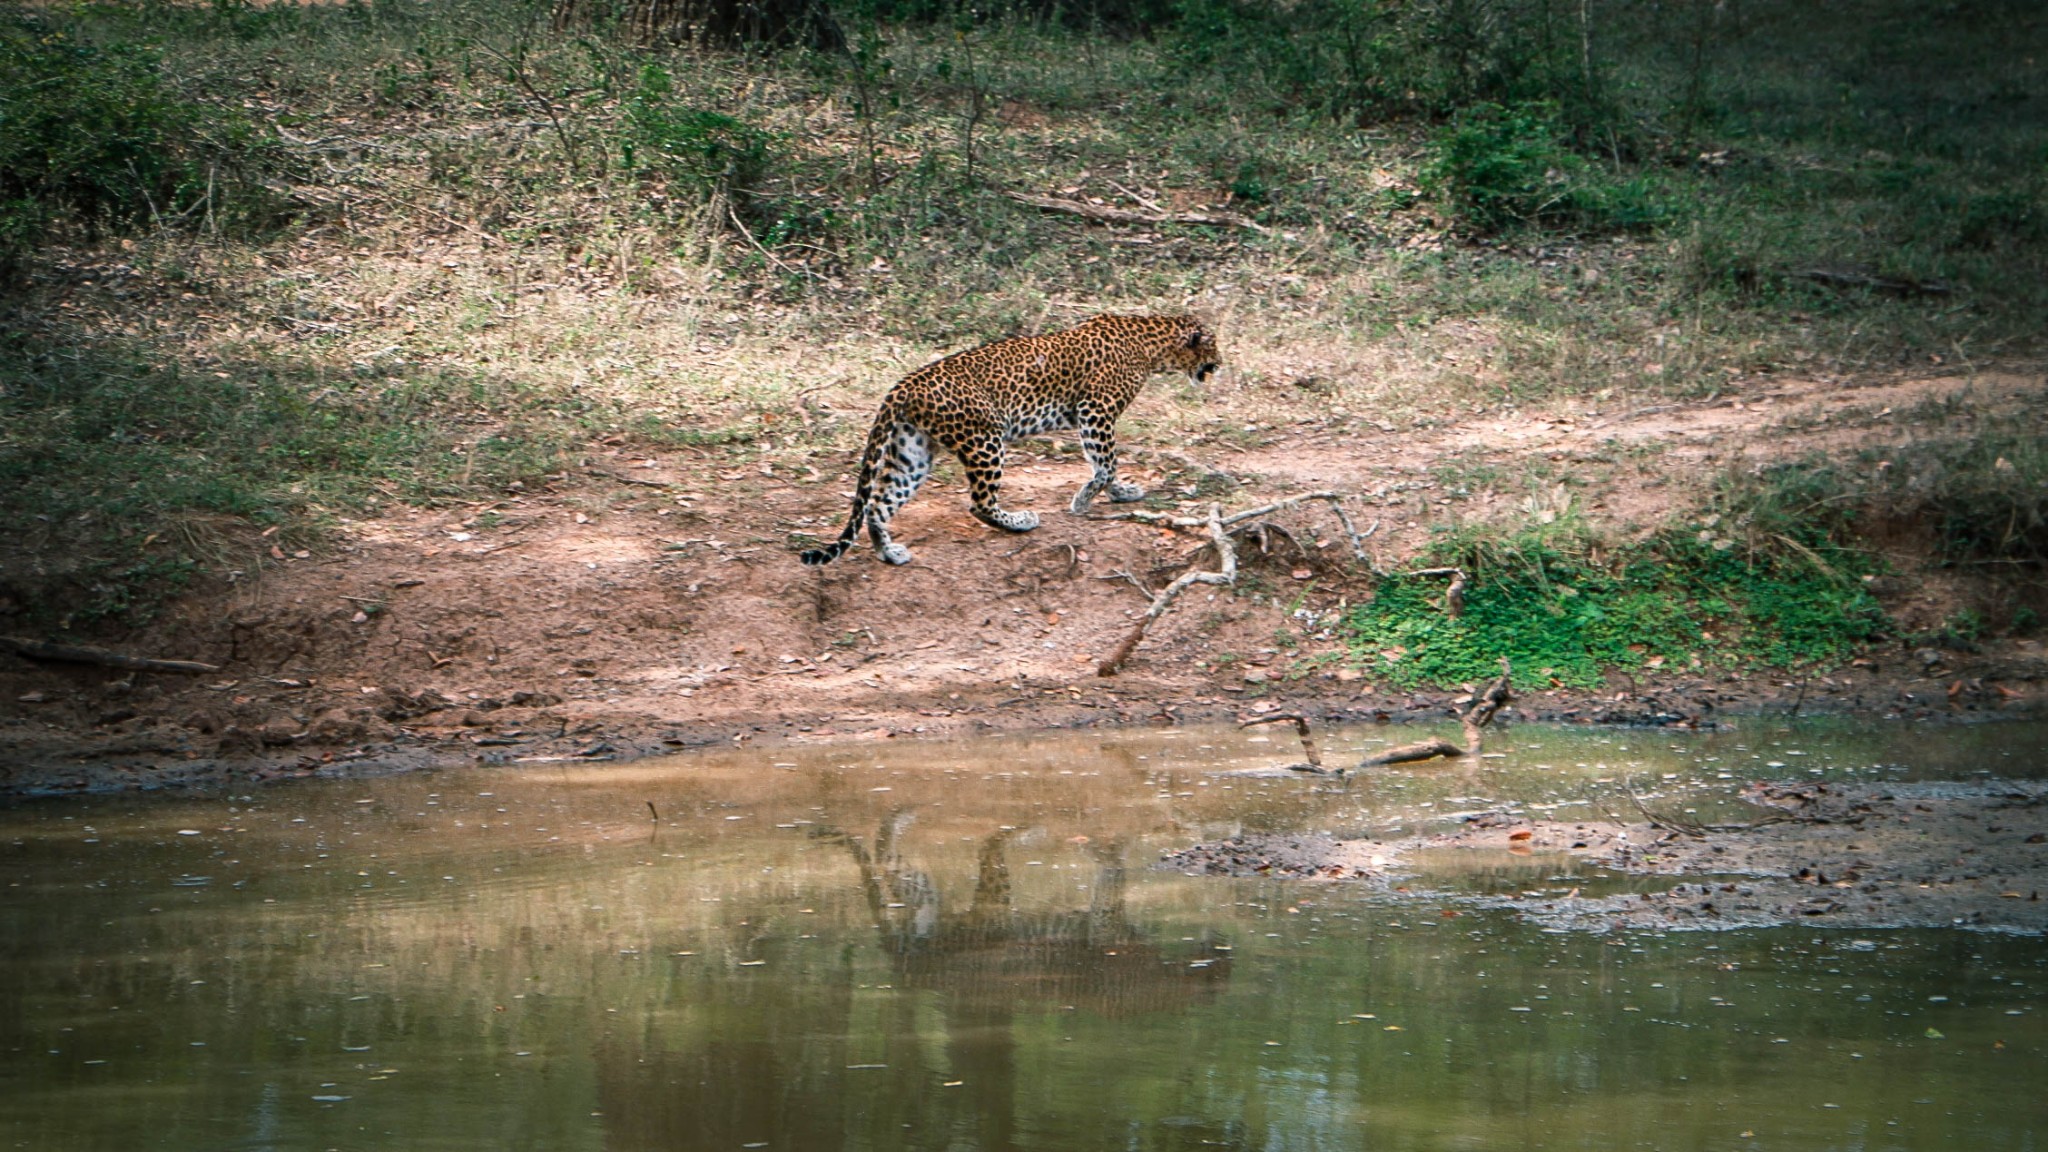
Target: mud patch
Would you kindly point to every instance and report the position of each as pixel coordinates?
(1970, 855)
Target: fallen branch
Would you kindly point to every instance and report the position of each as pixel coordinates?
(1474, 719)
(1308, 741)
(1108, 215)
(75, 654)
(1226, 573)
(1185, 523)
(1836, 278)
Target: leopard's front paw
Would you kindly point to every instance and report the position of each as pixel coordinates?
(1124, 492)
(895, 554)
(1017, 521)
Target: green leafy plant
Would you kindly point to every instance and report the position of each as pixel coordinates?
(699, 151)
(1500, 166)
(1564, 609)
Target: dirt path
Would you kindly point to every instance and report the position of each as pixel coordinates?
(652, 601)
(1841, 856)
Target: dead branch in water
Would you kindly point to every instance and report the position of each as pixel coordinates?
(77, 654)
(1475, 718)
(1308, 740)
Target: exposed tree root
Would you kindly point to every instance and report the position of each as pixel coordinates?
(1217, 526)
(76, 654)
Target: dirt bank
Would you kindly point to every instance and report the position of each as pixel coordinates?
(651, 600)
(1842, 856)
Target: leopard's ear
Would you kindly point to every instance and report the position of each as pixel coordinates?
(1195, 337)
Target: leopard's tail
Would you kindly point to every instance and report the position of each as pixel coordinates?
(870, 463)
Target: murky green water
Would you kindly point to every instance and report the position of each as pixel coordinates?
(964, 946)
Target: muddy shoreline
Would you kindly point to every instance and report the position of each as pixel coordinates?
(1858, 856)
(429, 730)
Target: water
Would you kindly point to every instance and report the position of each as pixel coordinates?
(963, 946)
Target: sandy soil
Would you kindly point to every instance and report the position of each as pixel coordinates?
(649, 602)
(1846, 856)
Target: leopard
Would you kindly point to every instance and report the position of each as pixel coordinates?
(973, 403)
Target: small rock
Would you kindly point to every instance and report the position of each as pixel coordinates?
(33, 697)
(280, 730)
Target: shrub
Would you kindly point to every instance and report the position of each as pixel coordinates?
(699, 152)
(1985, 496)
(1564, 610)
(1501, 166)
(96, 138)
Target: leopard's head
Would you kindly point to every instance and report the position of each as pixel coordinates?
(1195, 353)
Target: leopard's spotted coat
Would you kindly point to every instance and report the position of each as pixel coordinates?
(974, 402)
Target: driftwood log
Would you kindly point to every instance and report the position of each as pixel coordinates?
(1475, 718)
(78, 654)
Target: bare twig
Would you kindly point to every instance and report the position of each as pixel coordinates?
(1121, 574)
(1668, 823)
(78, 654)
(519, 76)
(1217, 526)
(1693, 828)
(1351, 531)
(765, 253)
(1165, 520)
(1454, 595)
(1110, 215)
(1226, 573)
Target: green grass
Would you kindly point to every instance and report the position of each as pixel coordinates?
(1564, 610)
(146, 470)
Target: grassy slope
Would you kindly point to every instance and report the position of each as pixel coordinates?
(499, 256)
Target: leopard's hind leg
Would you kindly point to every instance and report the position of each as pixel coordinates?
(906, 461)
(981, 455)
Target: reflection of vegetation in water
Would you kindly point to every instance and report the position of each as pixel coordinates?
(486, 959)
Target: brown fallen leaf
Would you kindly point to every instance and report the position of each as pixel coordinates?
(1524, 834)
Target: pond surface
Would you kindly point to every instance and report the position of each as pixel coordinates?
(888, 945)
